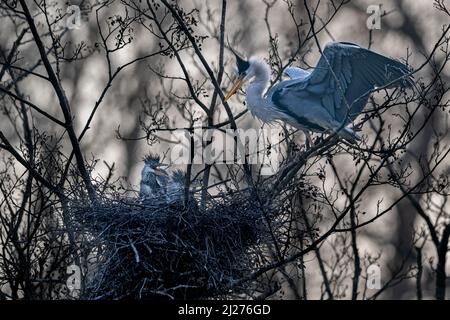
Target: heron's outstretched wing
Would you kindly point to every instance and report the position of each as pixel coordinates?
(344, 70)
(296, 73)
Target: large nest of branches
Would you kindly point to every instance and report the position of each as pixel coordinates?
(152, 249)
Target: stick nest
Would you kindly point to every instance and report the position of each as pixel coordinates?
(153, 249)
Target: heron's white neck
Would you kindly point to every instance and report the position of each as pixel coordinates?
(260, 72)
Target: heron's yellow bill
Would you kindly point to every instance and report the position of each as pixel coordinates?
(235, 87)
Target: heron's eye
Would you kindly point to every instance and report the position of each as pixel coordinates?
(240, 72)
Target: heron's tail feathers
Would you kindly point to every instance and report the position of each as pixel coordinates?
(349, 135)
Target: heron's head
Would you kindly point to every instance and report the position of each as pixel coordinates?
(243, 71)
(153, 164)
(179, 176)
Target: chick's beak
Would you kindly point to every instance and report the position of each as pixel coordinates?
(159, 171)
(163, 165)
(235, 87)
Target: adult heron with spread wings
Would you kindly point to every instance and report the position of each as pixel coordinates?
(328, 98)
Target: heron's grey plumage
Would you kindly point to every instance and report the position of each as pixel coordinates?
(296, 73)
(158, 185)
(153, 178)
(331, 96)
(175, 188)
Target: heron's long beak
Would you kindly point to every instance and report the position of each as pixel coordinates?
(235, 87)
(161, 172)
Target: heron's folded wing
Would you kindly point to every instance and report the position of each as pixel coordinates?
(290, 98)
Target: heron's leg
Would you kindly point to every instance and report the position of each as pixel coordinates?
(309, 142)
(322, 136)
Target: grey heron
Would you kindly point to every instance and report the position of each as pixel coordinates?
(175, 188)
(153, 178)
(326, 99)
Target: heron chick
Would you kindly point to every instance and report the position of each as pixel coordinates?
(327, 99)
(154, 178)
(175, 188)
